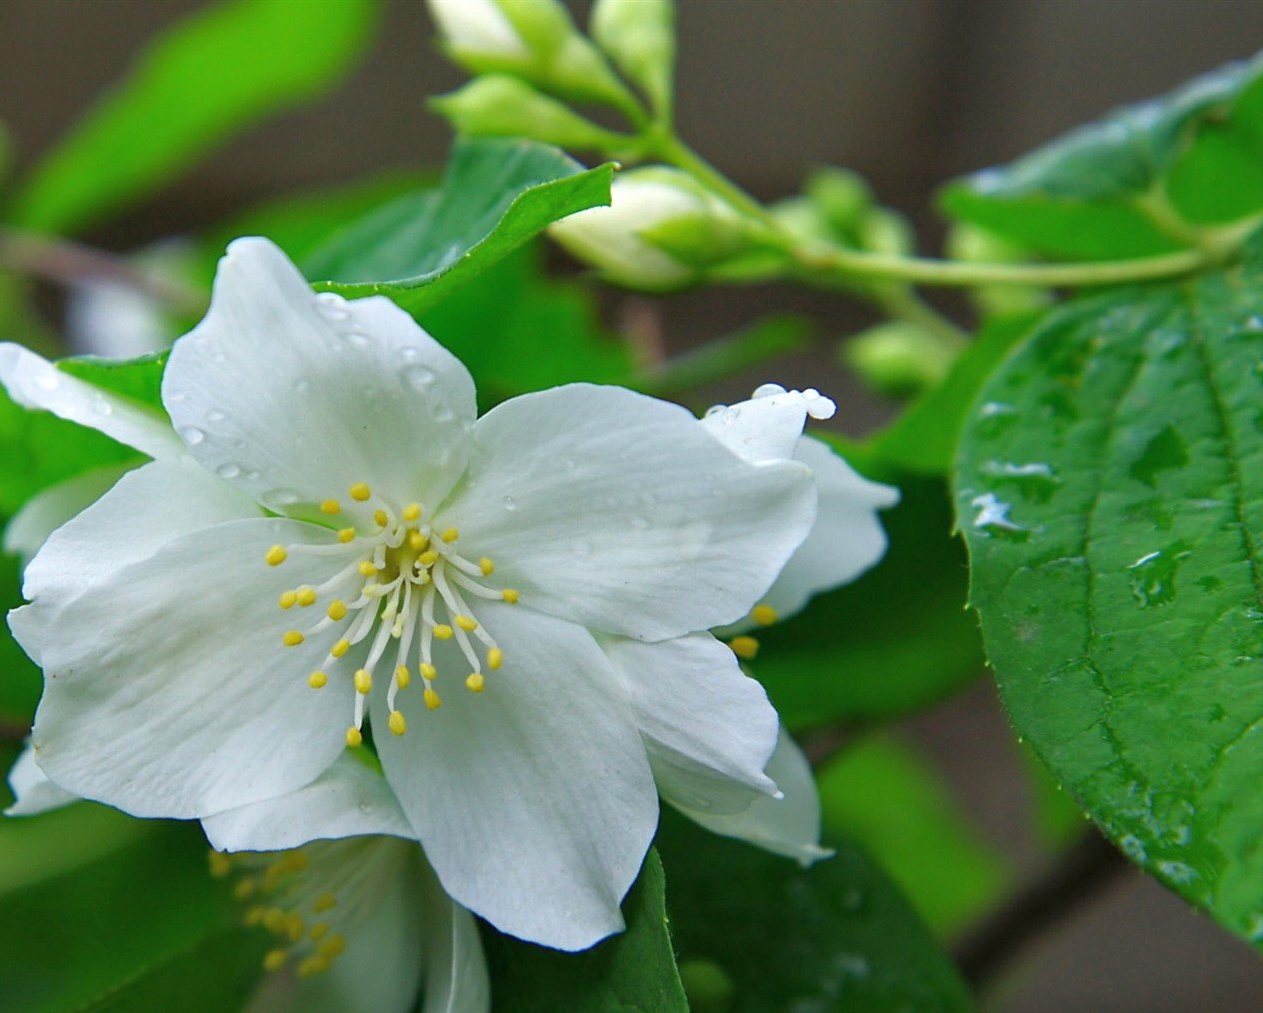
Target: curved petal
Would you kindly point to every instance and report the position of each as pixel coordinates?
(769, 425)
(456, 979)
(620, 512)
(34, 382)
(789, 825)
(708, 726)
(533, 800)
(347, 800)
(847, 537)
(167, 691)
(294, 397)
(33, 792)
(50, 508)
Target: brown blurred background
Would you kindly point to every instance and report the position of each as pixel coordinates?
(910, 92)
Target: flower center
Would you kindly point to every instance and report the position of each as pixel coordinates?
(405, 586)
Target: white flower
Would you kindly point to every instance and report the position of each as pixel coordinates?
(358, 917)
(478, 28)
(519, 599)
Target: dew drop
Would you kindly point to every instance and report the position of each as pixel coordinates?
(409, 353)
(228, 471)
(357, 340)
(102, 407)
(191, 435)
(215, 415)
(333, 305)
(443, 413)
(418, 376)
(510, 504)
(276, 498)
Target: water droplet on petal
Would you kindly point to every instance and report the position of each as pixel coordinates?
(215, 415)
(228, 471)
(277, 498)
(102, 407)
(409, 353)
(418, 376)
(191, 435)
(443, 413)
(333, 305)
(510, 504)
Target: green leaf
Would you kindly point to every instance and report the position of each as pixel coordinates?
(1111, 495)
(1086, 194)
(881, 794)
(138, 380)
(896, 640)
(20, 679)
(213, 74)
(835, 937)
(495, 196)
(633, 972)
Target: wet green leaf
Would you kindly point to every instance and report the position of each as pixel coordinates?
(1111, 493)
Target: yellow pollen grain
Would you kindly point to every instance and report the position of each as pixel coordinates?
(443, 631)
(354, 737)
(287, 599)
(325, 902)
(367, 569)
(346, 535)
(764, 615)
(744, 647)
(428, 558)
(397, 723)
(332, 946)
(412, 512)
(417, 541)
(432, 699)
(275, 960)
(340, 648)
(220, 864)
(402, 677)
(245, 888)
(495, 658)
(363, 681)
(274, 919)
(317, 680)
(253, 917)
(428, 671)
(306, 597)
(276, 555)
(336, 610)
(466, 623)
(292, 638)
(294, 927)
(450, 535)
(360, 492)
(319, 929)
(509, 595)
(486, 566)
(331, 506)
(381, 517)
(312, 966)
(475, 683)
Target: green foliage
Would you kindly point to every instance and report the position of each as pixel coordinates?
(1107, 190)
(835, 937)
(20, 680)
(896, 640)
(629, 973)
(138, 380)
(211, 75)
(1111, 495)
(495, 196)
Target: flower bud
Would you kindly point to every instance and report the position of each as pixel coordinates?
(843, 197)
(882, 230)
(979, 246)
(898, 358)
(496, 105)
(477, 30)
(639, 35)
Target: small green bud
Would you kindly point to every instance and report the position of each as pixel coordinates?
(975, 245)
(844, 197)
(898, 358)
(639, 35)
(882, 230)
(496, 105)
(803, 218)
(707, 985)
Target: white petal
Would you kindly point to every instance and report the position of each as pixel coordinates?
(295, 397)
(787, 826)
(847, 537)
(34, 382)
(769, 426)
(456, 979)
(620, 512)
(707, 725)
(50, 508)
(533, 800)
(347, 800)
(167, 691)
(33, 792)
(477, 27)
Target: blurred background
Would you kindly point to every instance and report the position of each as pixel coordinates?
(908, 92)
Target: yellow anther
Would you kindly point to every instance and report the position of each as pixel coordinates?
(325, 902)
(307, 596)
(443, 631)
(509, 595)
(450, 535)
(367, 569)
(475, 683)
(295, 861)
(331, 946)
(381, 517)
(402, 677)
(346, 535)
(244, 889)
(363, 681)
(287, 599)
(412, 512)
(486, 566)
(397, 723)
(275, 960)
(428, 671)
(294, 927)
(253, 917)
(276, 555)
(744, 647)
(417, 541)
(764, 615)
(336, 610)
(274, 920)
(432, 699)
(318, 930)
(311, 966)
(317, 680)
(495, 658)
(331, 506)
(292, 638)
(466, 623)
(220, 864)
(340, 648)
(360, 492)
(354, 737)
(428, 558)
